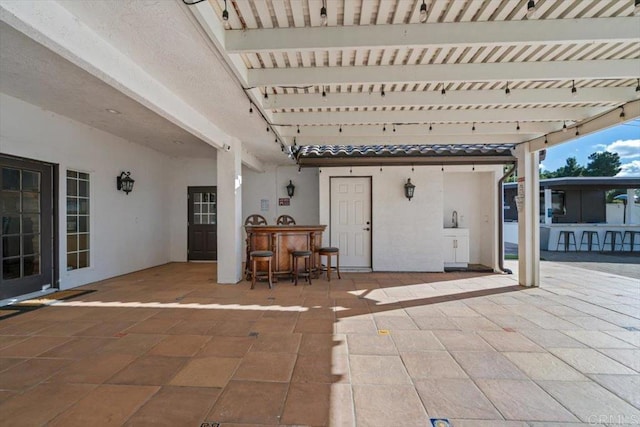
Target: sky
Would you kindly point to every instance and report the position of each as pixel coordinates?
(623, 139)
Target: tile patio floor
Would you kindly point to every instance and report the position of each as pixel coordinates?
(169, 347)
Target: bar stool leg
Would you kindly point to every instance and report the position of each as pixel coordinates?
(270, 282)
(295, 270)
(253, 273)
(307, 265)
(329, 268)
(338, 264)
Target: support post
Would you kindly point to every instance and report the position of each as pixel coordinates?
(548, 207)
(631, 206)
(230, 214)
(528, 203)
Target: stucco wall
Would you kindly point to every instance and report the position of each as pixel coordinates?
(184, 173)
(406, 235)
(271, 185)
(473, 196)
(128, 232)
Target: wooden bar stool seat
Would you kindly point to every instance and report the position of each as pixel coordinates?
(261, 256)
(306, 273)
(329, 252)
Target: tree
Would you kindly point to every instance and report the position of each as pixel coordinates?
(571, 168)
(603, 164)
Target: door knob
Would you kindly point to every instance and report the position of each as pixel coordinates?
(366, 229)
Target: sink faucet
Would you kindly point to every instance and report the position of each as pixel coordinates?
(454, 219)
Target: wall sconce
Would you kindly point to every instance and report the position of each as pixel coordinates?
(124, 182)
(290, 188)
(409, 188)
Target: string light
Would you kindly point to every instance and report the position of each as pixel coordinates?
(430, 127)
(384, 128)
(636, 8)
(298, 130)
(638, 88)
(250, 108)
(323, 15)
(324, 93)
(394, 127)
(577, 131)
(546, 141)
(531, 9)
(443, 91)
(340, 129)
(225, 17)
(266, 95)
(473, 127)
(622, 115)
(423, 12)
(382, 94)
(517, 126)
(507, 91)
(564, 126)
(574, 91)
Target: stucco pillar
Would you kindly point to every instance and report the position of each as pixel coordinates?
(548, 207)
(230, 214)
(528, 203)
(631, 206)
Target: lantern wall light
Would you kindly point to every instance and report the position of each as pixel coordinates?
(409, 188)
(290, 188)
(124, 182)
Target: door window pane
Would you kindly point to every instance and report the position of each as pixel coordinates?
(30, 181)
(10, 201)
(83, 224)
(30, 223)
(30, 244)
(10, 179)
(72, 174)
(31, 265)
(72, 187)
(83, 175)
(83, 207)
(72, 224)
(72, 261)
(83, 242)
(10, 268)
(72, 205)
(31, 202)
(10, 246)
(11, 224)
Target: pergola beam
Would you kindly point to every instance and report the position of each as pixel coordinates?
(491, 33)
(434, 73)
(434, 116)
(466, 97)
(415, 139)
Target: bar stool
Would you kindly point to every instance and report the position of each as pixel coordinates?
(568, 235)
(261, 256)
(632, 239)
(306, 255)
(612, 236)
(592, 237)
(329, 252)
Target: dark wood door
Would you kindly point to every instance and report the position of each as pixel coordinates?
(203, 223)
(26, 202)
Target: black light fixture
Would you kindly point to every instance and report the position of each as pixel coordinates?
(564, 126)
(443, 91)
(323, 15)
(423, 12)
(250, 108)
(124, 182)
(225, 16)
(622, 115)
(531, 9)
(324, 93)
(382, 94)
(290, 188)
(340, 129)
(430, 127)
(636, 8)
(266, 95)
(298, 129)
(577, 131)
(517, 126)
(574, 91)
(507, 91)
(473, 127)
(384, 128)
(394, 127)
(409, 188)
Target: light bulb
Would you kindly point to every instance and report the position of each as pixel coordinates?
(531, 9)
(323, 16)
(423, 12)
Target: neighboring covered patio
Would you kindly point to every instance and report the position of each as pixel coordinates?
(163, 346)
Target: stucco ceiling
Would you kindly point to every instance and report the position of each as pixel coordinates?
(35, 74)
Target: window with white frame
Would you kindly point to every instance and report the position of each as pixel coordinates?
(77, 220)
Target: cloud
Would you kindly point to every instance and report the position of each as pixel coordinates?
(630, 169)
(626, 149)
(541, 166)
(599, 147)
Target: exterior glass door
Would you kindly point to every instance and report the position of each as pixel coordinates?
(27, 247)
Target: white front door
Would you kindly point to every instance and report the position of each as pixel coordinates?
(351, 220)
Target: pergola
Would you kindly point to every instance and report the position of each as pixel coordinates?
(239, 75)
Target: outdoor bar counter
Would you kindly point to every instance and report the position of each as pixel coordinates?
(282, 239)
(549, 235)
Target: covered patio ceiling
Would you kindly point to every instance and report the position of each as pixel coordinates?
(475, 72)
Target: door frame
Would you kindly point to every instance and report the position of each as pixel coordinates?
(370, 177)
(54, 244)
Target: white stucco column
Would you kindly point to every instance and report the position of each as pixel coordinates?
(631, 205)
(547, 206)
(230, 214)
(528, 203)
